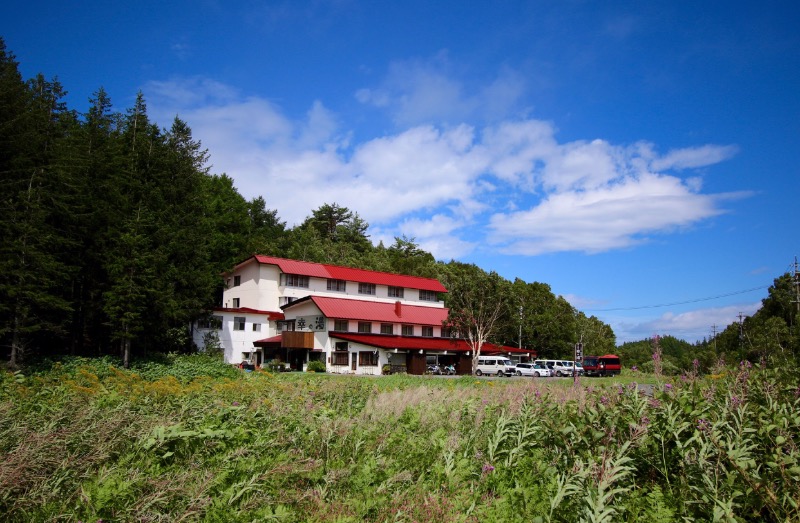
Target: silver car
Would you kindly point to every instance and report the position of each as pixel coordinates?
(532, 369)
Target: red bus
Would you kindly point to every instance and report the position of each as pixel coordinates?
(608, 365)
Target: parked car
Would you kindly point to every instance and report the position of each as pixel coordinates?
(495, 365)
(608, 365)
(558, 367)
(568, 368)
(532, 369)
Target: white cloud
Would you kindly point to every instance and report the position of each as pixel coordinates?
(517, 149)
(438, 183)
(419, 92)
(447, 247)
(319, 129)
(581, 302)
(437, 225)
(184, 93)
(617, 215)
(582, 165)
(691, 325)
(693, 157)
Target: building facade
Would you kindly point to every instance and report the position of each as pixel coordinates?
(355, 321)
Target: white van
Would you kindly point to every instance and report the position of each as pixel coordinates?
(495, 365)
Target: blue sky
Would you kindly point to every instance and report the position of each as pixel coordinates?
(641, 158)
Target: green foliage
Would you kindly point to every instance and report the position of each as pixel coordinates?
(316, 366)
(85, 440)
(771, 334)
(678, 356)
(34, 210)
(184, 367)
(476, 301)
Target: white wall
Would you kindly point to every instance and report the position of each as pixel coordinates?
(355, 348)
(236, 342)
(247, 291)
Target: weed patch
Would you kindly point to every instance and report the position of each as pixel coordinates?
(90, 442)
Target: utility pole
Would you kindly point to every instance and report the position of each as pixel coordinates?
(741, 336)
(714, 334)
(796, 279)
(520, 326)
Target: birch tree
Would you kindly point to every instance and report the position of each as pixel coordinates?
(476, 301)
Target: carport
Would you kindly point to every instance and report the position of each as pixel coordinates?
(454, 351)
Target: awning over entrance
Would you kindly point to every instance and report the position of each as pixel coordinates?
(288, 339)
(391, 342)
(273, 342)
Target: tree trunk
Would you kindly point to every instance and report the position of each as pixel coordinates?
(16, 346)
(126, 348)
(476, 352)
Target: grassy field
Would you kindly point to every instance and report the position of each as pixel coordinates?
(191, 440)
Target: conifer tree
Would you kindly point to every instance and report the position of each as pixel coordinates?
(32, 275)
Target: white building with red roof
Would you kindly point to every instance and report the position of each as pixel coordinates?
(354, 320)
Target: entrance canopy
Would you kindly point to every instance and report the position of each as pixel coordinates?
(456, 345)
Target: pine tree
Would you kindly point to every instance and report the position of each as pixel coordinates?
(32, 274)
(98, 160)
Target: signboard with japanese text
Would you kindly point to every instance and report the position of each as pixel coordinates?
(309, 323)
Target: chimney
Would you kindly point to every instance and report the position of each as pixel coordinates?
(398, 308)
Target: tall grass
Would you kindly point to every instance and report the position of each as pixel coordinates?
(191, 440)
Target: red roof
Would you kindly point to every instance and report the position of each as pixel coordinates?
(247, 310)
(268, 341)
(335, 272)
(389, 342)
(363, 310)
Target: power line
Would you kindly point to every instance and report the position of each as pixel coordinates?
(680, 302)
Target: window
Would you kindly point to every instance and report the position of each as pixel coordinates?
(340, 325)
(337, 285)
(238, 323)
(428, 295)
(286, 300)
(212, 323)
(368, 358)
(427, 331)
(235, 303)
(365, 326)
(408, 330)
(395, 292)
(256, 327)
(340, 358)
(447, 332)
(387, 328)
(366, 288)
(237, 280)
(294, 280)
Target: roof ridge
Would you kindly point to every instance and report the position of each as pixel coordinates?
(344, 267)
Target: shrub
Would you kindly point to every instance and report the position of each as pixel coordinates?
(275, 366)
(316, 366)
